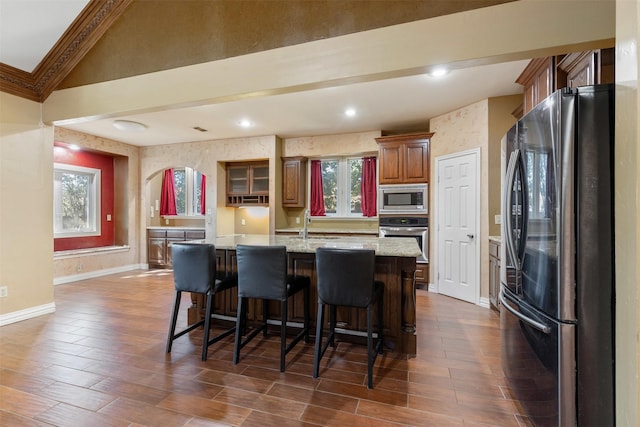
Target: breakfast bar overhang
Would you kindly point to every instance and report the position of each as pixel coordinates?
(395, 266)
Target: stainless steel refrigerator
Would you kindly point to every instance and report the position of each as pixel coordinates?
(557, 275)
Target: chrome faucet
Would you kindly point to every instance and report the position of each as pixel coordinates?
(306, 220)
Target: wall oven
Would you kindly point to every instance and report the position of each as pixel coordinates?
(405, 199)
(411, 227)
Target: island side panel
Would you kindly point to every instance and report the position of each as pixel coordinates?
(397, 273)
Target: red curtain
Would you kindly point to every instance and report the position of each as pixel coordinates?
(203, 191)
(368, 190)
(317, 196)
(168, 194)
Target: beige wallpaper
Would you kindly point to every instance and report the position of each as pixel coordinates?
(26, 200)
(461, 130)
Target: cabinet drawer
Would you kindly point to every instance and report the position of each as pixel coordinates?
(157, 233)
(175, 234)
(494, 249)
(194, 234)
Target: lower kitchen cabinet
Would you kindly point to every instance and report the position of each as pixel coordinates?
(159, 243)
(494, 273)
(422, 276)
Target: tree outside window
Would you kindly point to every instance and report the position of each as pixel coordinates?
(76, 201)
(341, 186)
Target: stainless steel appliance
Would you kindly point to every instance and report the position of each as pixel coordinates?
(406, 199)
(557, 281)
(412, 227)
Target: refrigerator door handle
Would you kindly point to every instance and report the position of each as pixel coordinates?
(511, 171)
(531, 322)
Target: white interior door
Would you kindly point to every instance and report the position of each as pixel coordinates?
(458, 225)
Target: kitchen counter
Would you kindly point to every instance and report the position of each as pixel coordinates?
(323, 231)
(395, 267)
(495, 239)
(388, 246)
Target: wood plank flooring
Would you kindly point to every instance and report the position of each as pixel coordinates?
(100, 360)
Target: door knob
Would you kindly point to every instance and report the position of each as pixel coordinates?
(471, 236)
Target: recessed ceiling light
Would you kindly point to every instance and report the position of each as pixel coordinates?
(350, 112)
(245, 123)
(438, 72)
(129, 126)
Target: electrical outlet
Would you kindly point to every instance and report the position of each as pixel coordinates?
(498, 219)
(243, 222)
(4, 291)
(79, 267)
(297, 220)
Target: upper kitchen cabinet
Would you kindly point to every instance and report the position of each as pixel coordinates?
(404, 159)
(587, 68)
(294, 181)
(543, 76)
(248, 183)
(538, 81)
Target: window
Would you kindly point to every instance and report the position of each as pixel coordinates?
(188, 188)
(76, 201)
(341, 186)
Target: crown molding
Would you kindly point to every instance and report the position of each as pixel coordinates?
(85, 31)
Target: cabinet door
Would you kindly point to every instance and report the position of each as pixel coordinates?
(390, 163)
(416, 162)
(156, 250)
(237, 179)
(294, 181)
(259, 179)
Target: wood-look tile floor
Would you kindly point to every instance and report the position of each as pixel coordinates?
(100, 360)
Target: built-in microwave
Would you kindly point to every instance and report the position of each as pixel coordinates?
(403, 199)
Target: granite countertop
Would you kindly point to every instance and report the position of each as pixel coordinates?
(388, 246)
(174, 228)
(496, 239)
(328, 231)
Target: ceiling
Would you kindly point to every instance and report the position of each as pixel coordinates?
(30, 28)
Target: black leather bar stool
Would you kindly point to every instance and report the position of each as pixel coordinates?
(262, 273)
(194, 270)
(346, 278)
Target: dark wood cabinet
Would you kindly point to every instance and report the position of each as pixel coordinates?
(538, 79)
(543, 76)
(294, 181)
(159, 243)
(494, 273)
(422, 276)
(404, 159)
(248, 183)
(587, 68)
(397, 273)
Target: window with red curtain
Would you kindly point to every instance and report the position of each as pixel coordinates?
(369, 187)
(168, 194)
(316, 202)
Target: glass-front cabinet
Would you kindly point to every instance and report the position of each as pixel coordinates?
(248, 183)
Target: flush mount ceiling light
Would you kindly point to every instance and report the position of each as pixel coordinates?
(128, 126)
(438, 72)
(245, 123)
(350, 112)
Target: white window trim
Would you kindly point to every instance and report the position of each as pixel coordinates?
(95, 203)
(344, 178)
(190, 191)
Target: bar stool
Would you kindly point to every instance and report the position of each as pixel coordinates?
(346, 278)
(262, 273)
(194, 270)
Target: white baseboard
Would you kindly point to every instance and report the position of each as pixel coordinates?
(484, 302)
(27, 313)
(432, 288)
(98, 273)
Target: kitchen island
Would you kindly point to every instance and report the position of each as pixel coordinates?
(395, 266)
